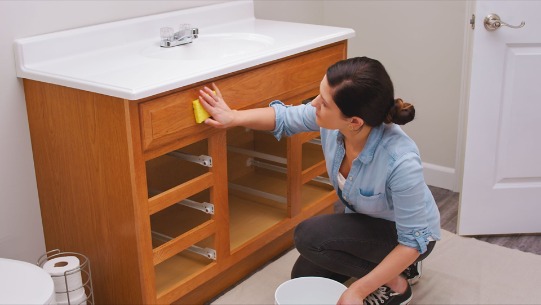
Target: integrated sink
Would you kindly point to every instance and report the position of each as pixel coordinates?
(212, 46)
(124, 58)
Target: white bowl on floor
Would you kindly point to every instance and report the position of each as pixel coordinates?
(309, 290)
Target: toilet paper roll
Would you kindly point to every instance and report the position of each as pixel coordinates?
(66, 274)
(74, 300)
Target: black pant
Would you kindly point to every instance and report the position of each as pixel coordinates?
(341, 246)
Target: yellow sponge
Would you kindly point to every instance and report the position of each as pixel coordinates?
(200, 113)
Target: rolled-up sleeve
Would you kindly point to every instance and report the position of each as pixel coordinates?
(293, 119)
(409, 200)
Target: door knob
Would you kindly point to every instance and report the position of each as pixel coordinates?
(493, 22)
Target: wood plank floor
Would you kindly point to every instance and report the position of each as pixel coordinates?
(447, 202)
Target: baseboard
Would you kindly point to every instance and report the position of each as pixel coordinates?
(440, 176)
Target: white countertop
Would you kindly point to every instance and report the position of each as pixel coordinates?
(123, 59)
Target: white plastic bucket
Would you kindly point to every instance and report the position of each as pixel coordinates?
(309, 290)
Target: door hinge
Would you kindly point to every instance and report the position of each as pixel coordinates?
(472, 21)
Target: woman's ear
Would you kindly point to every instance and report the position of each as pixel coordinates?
(355, 123)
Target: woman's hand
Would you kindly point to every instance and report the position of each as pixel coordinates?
(223, 117)
(214, 104)
(350, 297)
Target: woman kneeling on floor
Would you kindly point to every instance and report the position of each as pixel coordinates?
(391, 221)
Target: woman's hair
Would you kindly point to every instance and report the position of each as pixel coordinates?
(361, 87)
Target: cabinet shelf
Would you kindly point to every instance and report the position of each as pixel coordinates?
(248, 219)
(177, 220)
(177, 167)
(180, 268)
(251, 215)
(166, 172)
(183, 227)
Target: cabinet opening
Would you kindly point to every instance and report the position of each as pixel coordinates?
(176, 167)
(313, 191)
(259, 188)
(257, 196)
(251, 215)
(187, 215)
(187, 264)
(315, 179)
(312, 155)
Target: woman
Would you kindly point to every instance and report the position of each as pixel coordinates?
(391, 220)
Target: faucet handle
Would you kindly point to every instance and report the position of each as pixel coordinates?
(167, 34)
(185, 29)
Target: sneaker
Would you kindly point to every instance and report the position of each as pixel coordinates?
(385, 296)
(414, 272)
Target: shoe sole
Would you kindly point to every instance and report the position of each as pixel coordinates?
(414, 281)
(406, 302)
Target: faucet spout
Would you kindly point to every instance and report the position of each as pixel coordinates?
(185, 35)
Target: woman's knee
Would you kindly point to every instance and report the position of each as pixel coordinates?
(308, 234)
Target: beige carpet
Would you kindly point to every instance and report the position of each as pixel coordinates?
(459, 271)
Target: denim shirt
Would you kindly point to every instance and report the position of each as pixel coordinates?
(385, 181)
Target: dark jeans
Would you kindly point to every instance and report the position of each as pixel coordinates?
(341, 246)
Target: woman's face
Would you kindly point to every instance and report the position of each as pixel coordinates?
(328, 115)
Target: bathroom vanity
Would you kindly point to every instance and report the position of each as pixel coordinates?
(168, 210)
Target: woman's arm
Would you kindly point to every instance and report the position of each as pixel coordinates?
(393, 264)
(224, 117)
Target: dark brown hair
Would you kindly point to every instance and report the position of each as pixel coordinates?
(362, 87)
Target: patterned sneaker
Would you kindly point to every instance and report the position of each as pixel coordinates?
(385, 296)
(414, 272)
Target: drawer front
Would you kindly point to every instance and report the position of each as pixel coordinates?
(167, 119)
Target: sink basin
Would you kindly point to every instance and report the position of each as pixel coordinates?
(212, 46)
(123, 58)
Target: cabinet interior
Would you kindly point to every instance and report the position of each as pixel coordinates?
(257, 200)
(183, 266)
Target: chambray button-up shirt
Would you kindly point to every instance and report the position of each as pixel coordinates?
(385, 181)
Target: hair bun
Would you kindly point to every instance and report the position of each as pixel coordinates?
(401, 113)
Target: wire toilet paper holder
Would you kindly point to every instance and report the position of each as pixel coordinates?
(84, 268)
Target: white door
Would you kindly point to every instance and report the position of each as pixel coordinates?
(501, 191)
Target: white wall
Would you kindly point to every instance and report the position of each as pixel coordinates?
(420, 43)
(302, 11)
(21, 232)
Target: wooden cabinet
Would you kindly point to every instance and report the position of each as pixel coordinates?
(167, 210)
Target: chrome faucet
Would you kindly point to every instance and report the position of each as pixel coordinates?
(169, 38)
